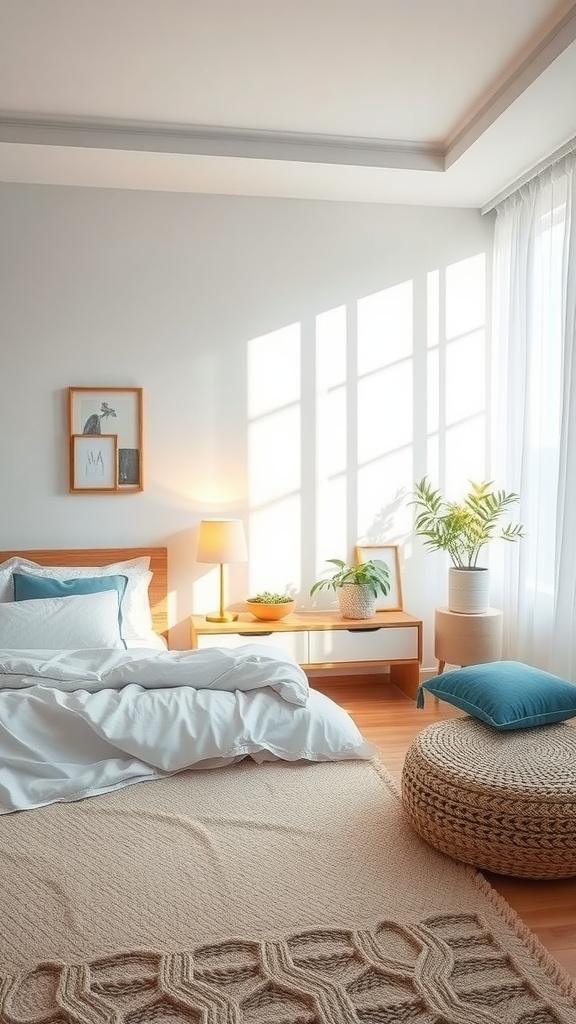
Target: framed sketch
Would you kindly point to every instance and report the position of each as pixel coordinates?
(390, 554)
(98, 412)
(93, 462)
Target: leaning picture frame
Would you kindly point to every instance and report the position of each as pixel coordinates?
(107, 411)
(390, 555)
(93, 462)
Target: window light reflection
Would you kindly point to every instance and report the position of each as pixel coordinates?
(274, 459)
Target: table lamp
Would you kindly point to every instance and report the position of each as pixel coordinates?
(221, 541)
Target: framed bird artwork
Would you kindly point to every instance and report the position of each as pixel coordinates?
(105, 427)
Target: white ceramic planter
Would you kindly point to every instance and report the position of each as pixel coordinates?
(468, 590)
(356, 601)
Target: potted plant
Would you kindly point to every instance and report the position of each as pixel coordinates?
(357, 587)
(270, 606)
(462, 529)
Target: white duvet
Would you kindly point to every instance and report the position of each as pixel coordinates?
(78, 723)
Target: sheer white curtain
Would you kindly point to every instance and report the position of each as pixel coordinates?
(534, 416)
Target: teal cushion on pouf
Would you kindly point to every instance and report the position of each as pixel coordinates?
(504, 694)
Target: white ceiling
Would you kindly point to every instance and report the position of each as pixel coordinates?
(435, 102)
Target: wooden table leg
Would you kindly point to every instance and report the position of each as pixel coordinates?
(406, 676)
(441, 666)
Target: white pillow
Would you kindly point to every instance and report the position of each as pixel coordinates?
(6, 570)
(15, 563)
(61, 623)
(136, 614)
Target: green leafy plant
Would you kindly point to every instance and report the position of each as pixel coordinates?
(269, 597)
(374, 574)
(463, 528)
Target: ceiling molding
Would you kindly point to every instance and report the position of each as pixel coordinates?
(562, 35)
(544, 165)
(204, 140)
(33, 129)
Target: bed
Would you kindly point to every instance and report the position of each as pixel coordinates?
(91, 862)
(91, 699)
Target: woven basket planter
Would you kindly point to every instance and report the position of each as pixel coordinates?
(356, 601)
(502, 801)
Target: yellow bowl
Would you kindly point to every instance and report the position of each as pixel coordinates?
(270, 612)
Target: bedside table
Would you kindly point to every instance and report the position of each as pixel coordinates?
(461, 639)
(324, 640)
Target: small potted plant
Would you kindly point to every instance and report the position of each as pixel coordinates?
(357, 587)
(270, 606)
(462, 529)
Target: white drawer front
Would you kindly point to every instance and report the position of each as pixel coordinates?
(296, 644)
(389, 644)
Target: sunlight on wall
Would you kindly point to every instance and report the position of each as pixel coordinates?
(465, 296)
(206, 589)
(331, 437)
(434, 386)
(339, 405)
(465, 377)
(457, 371)
(385, 408)
(385, 328)
(274, 461)
(274, 546)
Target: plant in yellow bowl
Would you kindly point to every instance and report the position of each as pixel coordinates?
(270, 606)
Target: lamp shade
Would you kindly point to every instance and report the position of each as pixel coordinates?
(221, 540)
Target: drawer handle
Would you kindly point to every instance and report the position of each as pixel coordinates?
(269, 633)
(364, 629)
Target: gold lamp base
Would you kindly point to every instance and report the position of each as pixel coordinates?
(224, 617)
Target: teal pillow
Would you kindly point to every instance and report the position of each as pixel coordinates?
(504, 694)
(27, 587)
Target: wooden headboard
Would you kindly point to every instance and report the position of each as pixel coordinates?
(158, 591)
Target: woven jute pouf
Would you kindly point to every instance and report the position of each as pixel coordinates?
(502, 801)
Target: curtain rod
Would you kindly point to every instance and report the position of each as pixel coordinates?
(554, 158)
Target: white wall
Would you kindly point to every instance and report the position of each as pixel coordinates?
(211, 304)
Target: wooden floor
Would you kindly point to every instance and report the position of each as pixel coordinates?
(388, 718)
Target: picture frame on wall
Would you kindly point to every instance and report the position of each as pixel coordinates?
(106, 412)
(390, 555)
(94, 462)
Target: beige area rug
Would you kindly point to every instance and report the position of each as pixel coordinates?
(257, 894)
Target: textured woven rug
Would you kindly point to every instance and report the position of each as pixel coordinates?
(257, 894)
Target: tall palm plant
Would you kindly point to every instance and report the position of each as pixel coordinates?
(463, 528)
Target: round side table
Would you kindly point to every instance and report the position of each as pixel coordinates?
(461, 639)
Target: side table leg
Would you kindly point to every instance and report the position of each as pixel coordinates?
(441, 666)
(406, 676)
